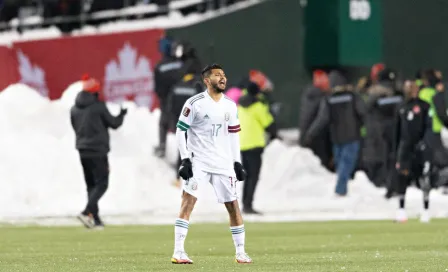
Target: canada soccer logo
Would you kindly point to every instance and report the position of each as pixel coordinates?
(32, 75)
(131, 78)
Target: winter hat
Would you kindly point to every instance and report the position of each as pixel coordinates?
(337, 79)
(261, 80)
(320, 80)
(253, 88)
(90, 84)
(376, 69)
(165, 45)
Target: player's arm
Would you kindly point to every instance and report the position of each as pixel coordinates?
(183, 124)
(233, 129)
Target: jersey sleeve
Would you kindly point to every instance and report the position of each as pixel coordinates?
(234, 122)
(186, 117)
(234, 128)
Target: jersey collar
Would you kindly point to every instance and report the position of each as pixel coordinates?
(209, 97)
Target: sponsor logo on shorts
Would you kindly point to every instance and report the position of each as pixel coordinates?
(194, 186)
(186, 112)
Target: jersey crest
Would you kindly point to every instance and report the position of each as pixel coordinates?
(186, 111)
(227, 116)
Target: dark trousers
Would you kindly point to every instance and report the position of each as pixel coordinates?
(96, 176)
(346, 156)
(252, 163)
(164, 123)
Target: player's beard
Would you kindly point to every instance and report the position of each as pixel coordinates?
(217, 88)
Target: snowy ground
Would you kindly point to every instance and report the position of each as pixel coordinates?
(41, 177)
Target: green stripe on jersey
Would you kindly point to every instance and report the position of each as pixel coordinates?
(182, 126)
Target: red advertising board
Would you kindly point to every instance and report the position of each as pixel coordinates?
(8, 67)
(122, 62)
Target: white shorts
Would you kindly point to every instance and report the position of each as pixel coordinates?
(224, 186)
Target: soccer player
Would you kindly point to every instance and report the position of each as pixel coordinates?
(413, 161)
(211, 154)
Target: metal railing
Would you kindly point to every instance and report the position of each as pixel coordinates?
(30, 20)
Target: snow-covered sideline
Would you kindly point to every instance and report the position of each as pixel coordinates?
(173, 20)
(41, 178)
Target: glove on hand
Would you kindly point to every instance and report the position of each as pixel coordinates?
(186, 169)
(240, 173)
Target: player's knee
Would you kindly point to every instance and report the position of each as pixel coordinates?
(188, 200)
(232, 207)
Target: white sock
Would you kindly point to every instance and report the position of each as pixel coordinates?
(238, 235)
(180, 233)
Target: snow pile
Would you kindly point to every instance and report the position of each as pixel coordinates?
(41, 177)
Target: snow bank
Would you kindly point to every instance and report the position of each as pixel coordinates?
(41, 177)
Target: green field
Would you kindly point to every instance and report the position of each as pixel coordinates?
(325, 246)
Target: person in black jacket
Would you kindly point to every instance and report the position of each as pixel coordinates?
(309, 106)
(189, 86)
(167, 73)
(441, 153)
(412, 156)
(91, 120)
(344, 112)
(382, 105)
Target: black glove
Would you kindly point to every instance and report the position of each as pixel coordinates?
(123, 111)
(239, 171)
(186, 169)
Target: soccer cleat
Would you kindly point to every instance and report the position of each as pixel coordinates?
(425, 217)
(98, 224)
(181, 257)
(86, 220)
(250, 210)
(242, 258)
(401, 216)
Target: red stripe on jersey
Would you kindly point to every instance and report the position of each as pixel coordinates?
(234, 129)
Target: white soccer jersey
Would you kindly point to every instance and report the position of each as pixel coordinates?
(210, 126)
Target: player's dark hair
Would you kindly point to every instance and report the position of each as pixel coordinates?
(206, 72)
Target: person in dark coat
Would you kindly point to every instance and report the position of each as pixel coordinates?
(309, 106)
(412, 155)
(382, 105)
(189, 86)
(91, 121)
(167, 73)
(343, 111)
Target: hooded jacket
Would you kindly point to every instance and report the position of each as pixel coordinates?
(309, 107)
(255, 119)
(91, 120)
(343, 111)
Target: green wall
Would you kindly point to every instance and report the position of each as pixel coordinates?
(337, 35)
(268, 37)
(415, 35)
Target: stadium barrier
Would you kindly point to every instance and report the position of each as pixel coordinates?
(123, 62)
